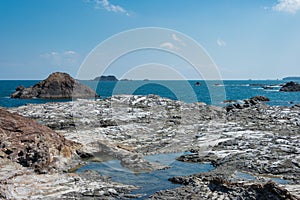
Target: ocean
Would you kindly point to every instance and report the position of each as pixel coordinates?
(187, 91)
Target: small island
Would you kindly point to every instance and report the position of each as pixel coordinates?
(291, 78)
(105, 78)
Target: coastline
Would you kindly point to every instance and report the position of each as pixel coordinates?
(259, 140)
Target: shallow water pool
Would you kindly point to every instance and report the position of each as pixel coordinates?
(149, 182)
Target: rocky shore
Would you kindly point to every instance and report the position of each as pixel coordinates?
(34, 161)
(255, 149)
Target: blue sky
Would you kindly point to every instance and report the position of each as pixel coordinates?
(257, 39)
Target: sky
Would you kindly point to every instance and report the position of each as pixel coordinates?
(250, 39)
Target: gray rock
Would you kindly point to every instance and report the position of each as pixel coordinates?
(260, 140)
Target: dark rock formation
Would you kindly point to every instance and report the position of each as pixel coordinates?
(247, 103)
(30, 144)
(57, 86)
(106, 78)
(260, 98)
(290, 87)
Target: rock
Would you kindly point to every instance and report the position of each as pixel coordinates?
(214, 187)
(57, 86)
(106, 78)
(197, 84)
(20, 88)
(30, 144)
(246, 103)
(17, 182)
(290, 87)
(260, 98)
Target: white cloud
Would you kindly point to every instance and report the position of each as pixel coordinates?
(110, 7)
(66, 58)
(69, 53)
(221, 43)
(169, 45)
(265, 7)
(177, 39)
(290, 6)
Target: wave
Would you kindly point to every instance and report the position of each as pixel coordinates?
(271, 90)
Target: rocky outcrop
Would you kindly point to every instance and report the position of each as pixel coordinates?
(30, 144)
(57, 86)
(290, 87)
(246, 103)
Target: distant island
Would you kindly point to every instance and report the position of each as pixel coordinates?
(292, 78)
(106, 78)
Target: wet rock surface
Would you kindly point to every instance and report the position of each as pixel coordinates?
(57, 86)
(259, 140)
(17, 182)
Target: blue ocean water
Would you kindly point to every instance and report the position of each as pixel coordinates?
(185, 91)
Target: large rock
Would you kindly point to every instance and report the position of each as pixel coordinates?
(30, 144)
(290, 87)
(57, 86)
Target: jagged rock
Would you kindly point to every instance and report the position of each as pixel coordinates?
(290, 87)
(57, 86)
(30, 144)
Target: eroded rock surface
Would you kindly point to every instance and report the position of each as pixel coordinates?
(34, 159)
(211, 187)
(30, 144)
(260, 140)
(17, 182)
